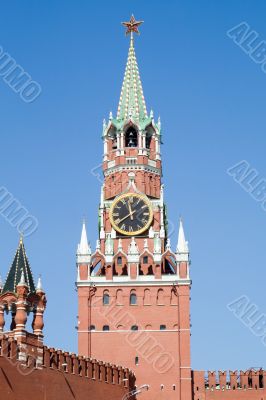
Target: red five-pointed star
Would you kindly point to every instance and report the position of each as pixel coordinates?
(132, 25)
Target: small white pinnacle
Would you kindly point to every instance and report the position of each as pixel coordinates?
(39, 283)
(182, 244)
(83, 246)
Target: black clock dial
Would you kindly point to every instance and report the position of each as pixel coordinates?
(131, 214)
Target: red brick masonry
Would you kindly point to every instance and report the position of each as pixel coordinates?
(62, 375)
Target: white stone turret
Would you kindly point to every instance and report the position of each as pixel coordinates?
(182, 251)
(84, 249)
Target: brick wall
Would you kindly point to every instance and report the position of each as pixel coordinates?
(62, 375)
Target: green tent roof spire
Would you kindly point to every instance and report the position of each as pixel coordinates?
(19, 267)
(132, 102)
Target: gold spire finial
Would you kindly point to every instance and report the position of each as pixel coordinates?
(132, 25)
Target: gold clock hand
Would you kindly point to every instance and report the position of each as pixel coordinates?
(130, 210)
(129, 215)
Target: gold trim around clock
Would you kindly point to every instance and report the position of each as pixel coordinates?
(125, 195)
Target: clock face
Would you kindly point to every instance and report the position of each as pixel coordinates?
(131, 214)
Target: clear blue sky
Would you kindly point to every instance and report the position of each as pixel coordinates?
(211, 98)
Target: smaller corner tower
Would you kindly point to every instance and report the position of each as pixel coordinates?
(21, 298)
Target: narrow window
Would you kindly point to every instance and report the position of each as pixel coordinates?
(145, 260)
(119, 260)
(136, 360)
(133, 299)
(106, 299)
(106, 328)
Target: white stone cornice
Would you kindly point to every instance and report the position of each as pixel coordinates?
(125, 281)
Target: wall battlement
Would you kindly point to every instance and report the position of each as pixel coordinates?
(24, 359)
(86, 367)
(229, 384)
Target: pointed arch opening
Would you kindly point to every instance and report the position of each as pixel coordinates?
(169, 264)
(131, 137)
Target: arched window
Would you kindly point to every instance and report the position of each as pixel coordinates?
(162, 327)
(160, 297)
(133, 299)
(136, 360)
(106, 328)
(119, 260)
(92, 328)
(131, 137)
(134, 328)
(106, 299)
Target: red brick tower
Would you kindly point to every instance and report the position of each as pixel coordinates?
(20, 297)
(133, 290)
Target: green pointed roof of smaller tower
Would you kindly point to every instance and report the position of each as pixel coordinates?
(20, 263)
(132, 101)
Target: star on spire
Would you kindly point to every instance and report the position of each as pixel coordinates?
(132, 25)
(132, 101)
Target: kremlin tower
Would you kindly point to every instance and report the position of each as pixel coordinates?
(133, 288)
